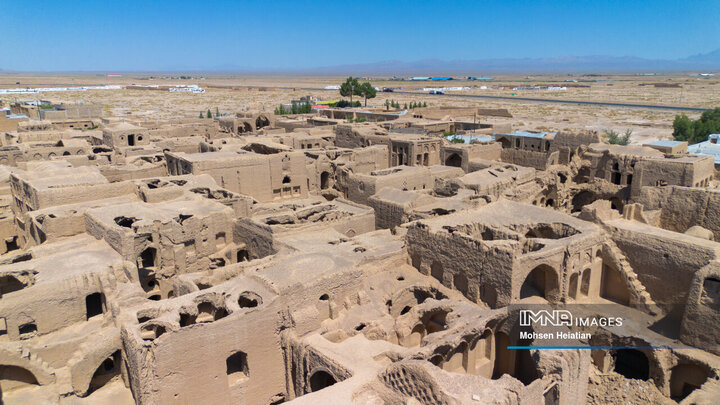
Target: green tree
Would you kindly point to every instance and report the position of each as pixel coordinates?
(280, 110)
(349, 88)
(424, 104)
(209, 114)
(217, 112)
(694, 131)
(683, 128)
(368, 91)
(201, 115)
(405, 107)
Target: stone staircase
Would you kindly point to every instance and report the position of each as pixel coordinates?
(17, 354)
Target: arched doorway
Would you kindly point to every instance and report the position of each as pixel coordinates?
(261, 122)
(436, 270)
(542, 281)
(106, 371)
(321, 379)
(460, 281)
(324, 180)
(613, 286)
(582, 199)
(503, 356)
(9, 284)
(244, 127)
(14, 377)
(573, 286)
(453, 160)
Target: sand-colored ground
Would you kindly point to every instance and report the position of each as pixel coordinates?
(266, 92)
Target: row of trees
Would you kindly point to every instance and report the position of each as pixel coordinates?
(295, 108)
(395, 104)
(352, 87)
(694, 131)
(209, 113)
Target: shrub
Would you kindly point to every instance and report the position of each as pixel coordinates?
(616, 139)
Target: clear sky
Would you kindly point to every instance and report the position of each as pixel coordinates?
(107, 35)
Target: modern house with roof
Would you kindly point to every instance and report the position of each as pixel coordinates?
(707, 148)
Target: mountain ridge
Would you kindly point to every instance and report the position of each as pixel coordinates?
(600, 63)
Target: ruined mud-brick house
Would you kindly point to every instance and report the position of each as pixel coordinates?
(234, 261)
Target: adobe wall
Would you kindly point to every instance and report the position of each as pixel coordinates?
(537, 160)
(369, 159)
(489, 270)
(257, 238)
(50, 308)
(682, 207)
(468, 153)
(360, 188)
(176, 356)
(680, 173)
(570, 145)
(663, 260)
(702, 309)
(388, 214)
(70, 195)
(117, 173)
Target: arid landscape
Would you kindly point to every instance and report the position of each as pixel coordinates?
(263, 93)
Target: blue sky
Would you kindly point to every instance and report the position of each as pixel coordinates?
(101, 35)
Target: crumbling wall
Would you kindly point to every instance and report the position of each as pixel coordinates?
(537, 160)
(488, 271)
(570, 145)
(683, 207)
(664, 261)
(703, 309)
(258, 239)
(46, 307)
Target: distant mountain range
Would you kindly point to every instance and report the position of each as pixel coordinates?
(700, 63)
(709, 62)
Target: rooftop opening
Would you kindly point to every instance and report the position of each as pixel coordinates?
(249, 300)
(27, 329)
(125, 222)
(686, 378)
(631, 364)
